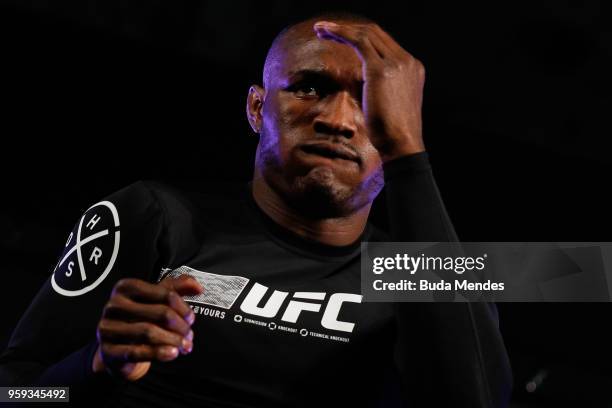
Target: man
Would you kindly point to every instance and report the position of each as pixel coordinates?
(258, 296)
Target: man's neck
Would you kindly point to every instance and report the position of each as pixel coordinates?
(330, 231)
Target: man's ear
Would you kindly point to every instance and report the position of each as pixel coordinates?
(254, 107)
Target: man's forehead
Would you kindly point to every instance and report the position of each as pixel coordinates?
(301, 50)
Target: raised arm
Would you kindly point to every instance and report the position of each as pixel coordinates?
(449, 354)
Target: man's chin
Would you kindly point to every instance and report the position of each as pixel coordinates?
(323, 176)
(320, 194)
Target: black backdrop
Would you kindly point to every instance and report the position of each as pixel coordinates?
(98, 94)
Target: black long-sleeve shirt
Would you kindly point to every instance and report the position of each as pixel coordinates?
(281, 321)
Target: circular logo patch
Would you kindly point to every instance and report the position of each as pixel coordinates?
(90, 253)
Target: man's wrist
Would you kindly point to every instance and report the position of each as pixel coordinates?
(409, 164)
(407, 147)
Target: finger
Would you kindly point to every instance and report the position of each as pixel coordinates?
(122, 308)
(385, 40)
(381, 41)
(145, 292)
(355, 36)
(118, 332)
(178, 304)
(135, 353)
(184, 285)
(141, 291)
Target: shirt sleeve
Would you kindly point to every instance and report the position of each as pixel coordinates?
(448, 354)
(55, 340)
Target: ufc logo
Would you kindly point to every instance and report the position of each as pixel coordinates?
(271, 308)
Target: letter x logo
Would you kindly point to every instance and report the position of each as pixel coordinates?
(86, 254)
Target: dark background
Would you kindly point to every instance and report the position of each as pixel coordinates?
(98, 94)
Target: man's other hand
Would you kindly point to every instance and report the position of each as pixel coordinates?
(392, 89)
(143, 322)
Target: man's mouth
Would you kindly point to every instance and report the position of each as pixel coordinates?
(330, 150)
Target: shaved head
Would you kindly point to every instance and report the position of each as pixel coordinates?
(293, 36)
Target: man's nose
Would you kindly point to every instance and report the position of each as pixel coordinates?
(338, 116)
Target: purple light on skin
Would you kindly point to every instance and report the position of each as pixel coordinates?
(375, 178)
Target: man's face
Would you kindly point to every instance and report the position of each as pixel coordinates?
(314, 149)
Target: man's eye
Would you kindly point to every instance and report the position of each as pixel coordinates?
(306, 91)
